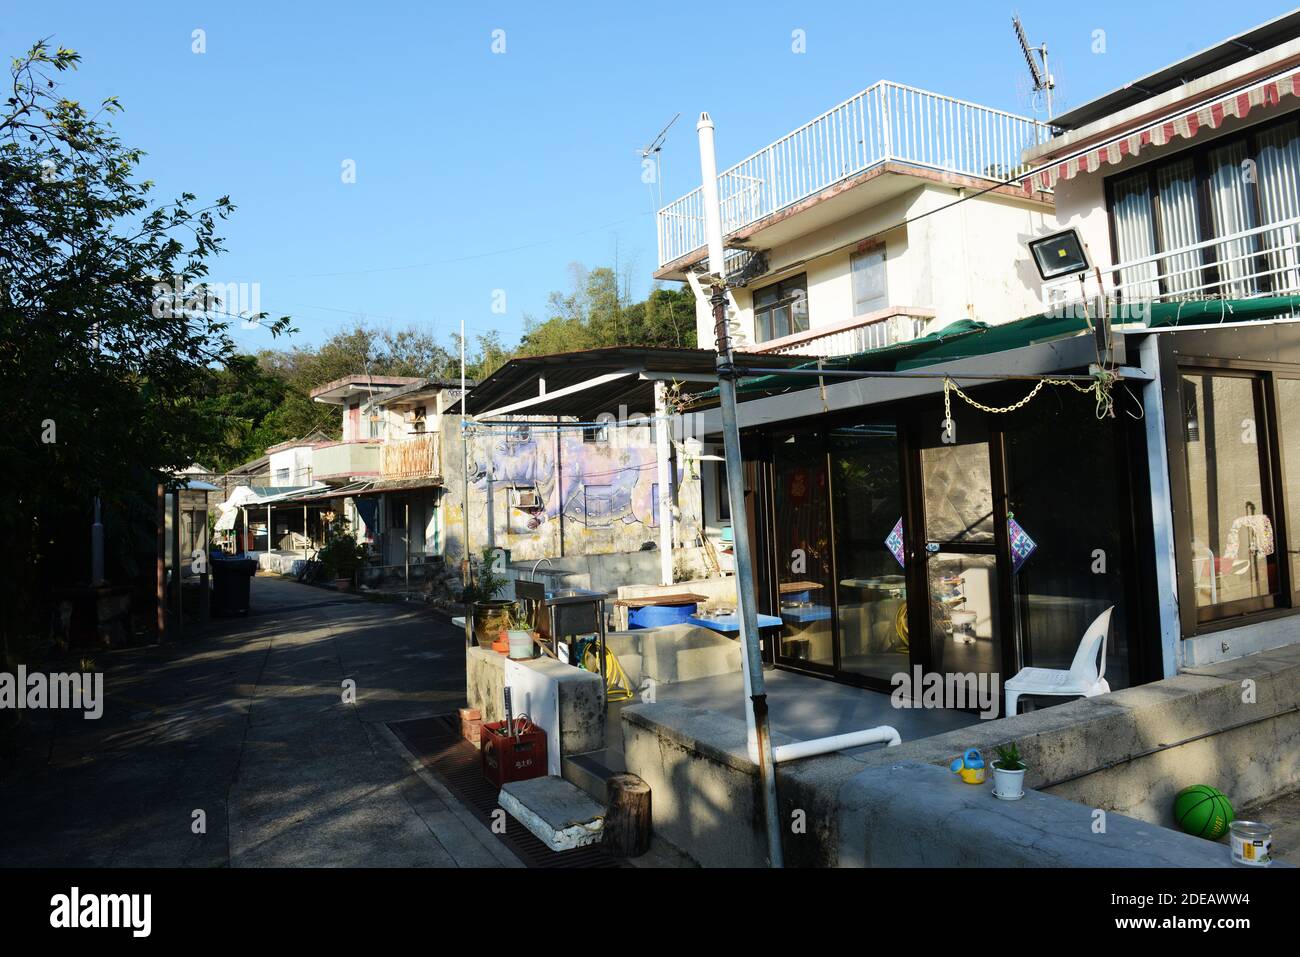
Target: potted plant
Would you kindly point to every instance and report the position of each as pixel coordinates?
(342, 554)
(491, 615)
(1009, 774)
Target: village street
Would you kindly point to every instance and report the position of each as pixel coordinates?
(246, 723)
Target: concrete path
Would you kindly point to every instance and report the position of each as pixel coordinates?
(248, 724)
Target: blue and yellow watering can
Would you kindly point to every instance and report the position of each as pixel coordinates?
(970, 766)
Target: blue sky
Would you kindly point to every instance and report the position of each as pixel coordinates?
(478, 171)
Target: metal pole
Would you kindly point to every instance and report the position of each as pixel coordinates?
(760, 740)
(464, 453)
(176, 561)
(665, 484)
(97, 548)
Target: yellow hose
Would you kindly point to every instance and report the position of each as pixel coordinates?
(618, 687)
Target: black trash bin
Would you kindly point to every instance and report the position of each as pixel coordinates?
(230, 584)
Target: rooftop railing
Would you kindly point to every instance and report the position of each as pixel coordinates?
(885, 122)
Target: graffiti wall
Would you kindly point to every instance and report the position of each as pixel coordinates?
(544, 493)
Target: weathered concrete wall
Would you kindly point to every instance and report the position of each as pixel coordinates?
(958, 825)
(582, 702)
(1234, 725)
(597, 498)
(674, 653)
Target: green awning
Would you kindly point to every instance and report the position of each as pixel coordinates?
(968, 338)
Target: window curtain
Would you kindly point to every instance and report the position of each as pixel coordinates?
(1179, 227)
(1278, 182)
(1232, 210)
(1135, 236)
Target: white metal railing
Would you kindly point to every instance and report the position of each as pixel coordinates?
(886, 121)
(1261, 261)
(851, 337)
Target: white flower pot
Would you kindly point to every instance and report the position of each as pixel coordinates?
(1008, 785)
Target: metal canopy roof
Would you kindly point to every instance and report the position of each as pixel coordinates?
(586, 384)
(1225, 53)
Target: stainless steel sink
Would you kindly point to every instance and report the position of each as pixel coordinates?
(573, 596)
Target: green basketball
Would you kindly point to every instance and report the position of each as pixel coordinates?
(1203, 811)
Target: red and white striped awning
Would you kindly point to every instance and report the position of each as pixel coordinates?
(1186, 125)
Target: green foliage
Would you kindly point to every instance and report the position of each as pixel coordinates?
(487, 584)
(109, 332)
(1009, 758)
(342, 554)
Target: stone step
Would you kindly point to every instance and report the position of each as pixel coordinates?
(559, 814)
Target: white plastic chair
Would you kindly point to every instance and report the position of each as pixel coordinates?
(1084, 677)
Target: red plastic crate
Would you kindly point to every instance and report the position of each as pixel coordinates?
(508, 759)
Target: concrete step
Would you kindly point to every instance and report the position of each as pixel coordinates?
(559, 814)
(590, 771)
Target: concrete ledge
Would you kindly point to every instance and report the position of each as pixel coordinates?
(675, 653)
(582, 701)
(961, 825)
(1127, 753)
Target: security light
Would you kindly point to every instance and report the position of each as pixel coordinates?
(1060, 254)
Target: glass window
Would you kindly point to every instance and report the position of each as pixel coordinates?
(1233, 551)
(1288, 427)
(867, 504)
(1232, 210)
(1064, 495)
(1135, 234)
(803, 549)
(1278, 186)
(1179, 225)
(781, 309)
(870, 291)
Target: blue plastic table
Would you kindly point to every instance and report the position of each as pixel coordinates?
(730, 624)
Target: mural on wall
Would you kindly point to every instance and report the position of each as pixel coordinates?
(605, 500)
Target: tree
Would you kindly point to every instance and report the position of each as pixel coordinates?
(109, 332)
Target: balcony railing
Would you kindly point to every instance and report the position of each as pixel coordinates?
(416, 457)
(1262, 261)
(885, 122)
(880, 329)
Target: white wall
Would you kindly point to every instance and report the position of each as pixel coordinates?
(969, 261)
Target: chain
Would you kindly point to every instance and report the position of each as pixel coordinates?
(1101, 387)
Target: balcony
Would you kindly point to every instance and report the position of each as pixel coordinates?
(886, 327)
(412, 458)
(1262, 261)
(886, 122)
(345, 460)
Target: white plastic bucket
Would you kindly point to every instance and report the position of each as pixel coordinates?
(1252, 843)
(521, 644)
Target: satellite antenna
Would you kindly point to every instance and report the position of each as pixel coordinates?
(655, 148)
(1042, 78)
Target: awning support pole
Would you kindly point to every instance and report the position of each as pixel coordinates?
(759, 738)
(662, 447)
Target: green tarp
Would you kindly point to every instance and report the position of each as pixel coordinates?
(968, 338)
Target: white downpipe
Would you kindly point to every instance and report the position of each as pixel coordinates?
(665, 484)
(836, 742)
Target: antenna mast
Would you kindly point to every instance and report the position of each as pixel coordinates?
(655, 148)
(1042, 77)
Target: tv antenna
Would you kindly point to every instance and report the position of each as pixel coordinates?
(655, 148)
(1041, 76)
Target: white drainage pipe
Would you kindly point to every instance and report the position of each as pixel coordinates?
(837, 742)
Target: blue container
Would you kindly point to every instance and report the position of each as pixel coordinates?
(657, 616)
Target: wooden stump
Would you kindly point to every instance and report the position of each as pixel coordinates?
(627, 816)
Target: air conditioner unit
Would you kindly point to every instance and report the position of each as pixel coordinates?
(525, 498)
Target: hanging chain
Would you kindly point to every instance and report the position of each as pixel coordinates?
(1102, 382)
